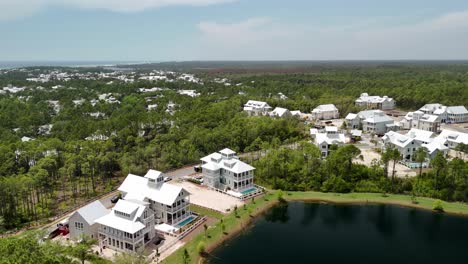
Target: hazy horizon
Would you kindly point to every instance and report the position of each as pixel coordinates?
(227, 30)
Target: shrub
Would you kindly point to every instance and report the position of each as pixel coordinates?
(437, 206)
(201, 248)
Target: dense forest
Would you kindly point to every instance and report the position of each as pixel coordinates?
(302, 169)
(59, 168)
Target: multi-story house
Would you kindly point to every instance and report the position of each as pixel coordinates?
(409, 143)
(325, 112)
(446, 114)
(370, 121)
(451, 139)
(406, 145)
(223, 170)
(256, 108)
(375, 102)
(324, 140)
(426, 122)
(128, 227)
(170, 203)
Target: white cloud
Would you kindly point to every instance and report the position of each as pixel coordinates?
(11, 9)
(443, 37)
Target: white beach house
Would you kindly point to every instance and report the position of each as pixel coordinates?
(375, 102)
(223, 170)
(325, 112)
(370, 121)
(325, 139)
(256, 108)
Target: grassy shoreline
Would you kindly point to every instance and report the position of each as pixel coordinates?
(424, 203)
(235, 225)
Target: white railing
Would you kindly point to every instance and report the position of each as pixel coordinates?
(179, 237)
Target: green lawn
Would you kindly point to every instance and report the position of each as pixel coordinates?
(205, 211)
(397, 199)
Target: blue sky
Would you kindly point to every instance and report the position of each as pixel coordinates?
(161, 30)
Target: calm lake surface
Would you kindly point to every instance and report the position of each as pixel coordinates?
(326, 233)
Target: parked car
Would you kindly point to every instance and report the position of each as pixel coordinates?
(159, 240)
(166, 179)
(197, 168)
(114, 199)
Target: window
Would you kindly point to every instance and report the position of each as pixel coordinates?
(79, 226)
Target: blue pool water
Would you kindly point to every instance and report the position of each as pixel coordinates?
(244, 192)
(186, 221)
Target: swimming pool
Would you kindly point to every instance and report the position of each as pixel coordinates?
(186, 221)
(244, 192)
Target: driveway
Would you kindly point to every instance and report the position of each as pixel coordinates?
(202, 196)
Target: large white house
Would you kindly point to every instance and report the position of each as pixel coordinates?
(223, 170)
(82, 223)
(446, 114)
(147, 201)
(451, 138)
(280, 112)
(325, 139)
(370, 121)
(256, 108)
(420, 120)
(409, 143)
(128, 227)
(169, 202)
(324, 112)
(375, 102)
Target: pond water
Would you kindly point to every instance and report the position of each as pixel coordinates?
(301, 232)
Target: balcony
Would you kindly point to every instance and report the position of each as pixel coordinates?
(176, 208)
(120, 237)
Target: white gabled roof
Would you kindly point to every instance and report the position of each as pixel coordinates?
(227, 152)
(278, 111)
(369, 113)
(256, 104)
(92, 211)
(453, 136)
(164, 193)
(435, 145)
(215, 161)
(325, 108)
(153, 174)
(397, 139)
(356, 133)
(125, 206)
(420, 135)
(457, 110)
(330, 139)
(129, 225)
(372, 99)
(351, 116)
(430, 118)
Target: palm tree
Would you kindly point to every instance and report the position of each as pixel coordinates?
(420, 156)
(395, 157)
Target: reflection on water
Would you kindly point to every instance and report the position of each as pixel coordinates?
(326, 233)
(278, 213)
